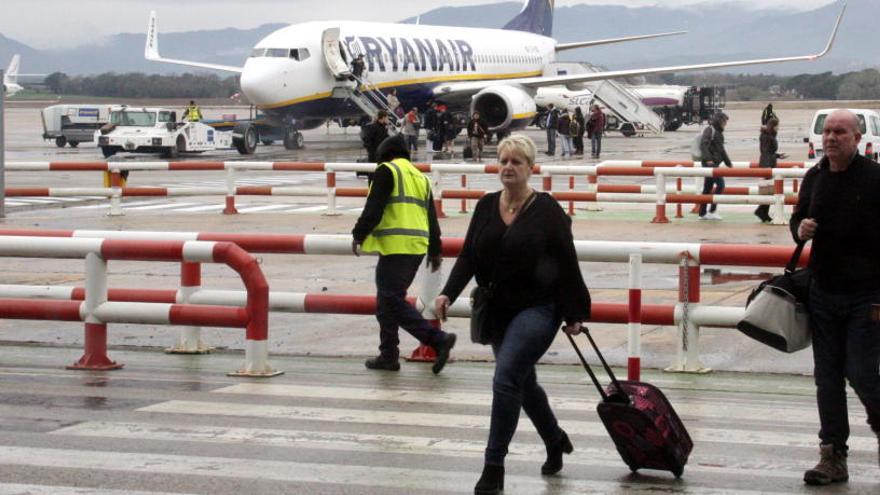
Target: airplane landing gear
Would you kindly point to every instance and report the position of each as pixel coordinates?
(293, 139)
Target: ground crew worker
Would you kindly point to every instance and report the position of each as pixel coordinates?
(192, 112)
(399, 223)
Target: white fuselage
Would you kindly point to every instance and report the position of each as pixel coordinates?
(407, 57)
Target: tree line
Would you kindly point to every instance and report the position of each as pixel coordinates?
(140, 85)
(861, 85)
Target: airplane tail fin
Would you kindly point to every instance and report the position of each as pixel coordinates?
(11, 74)
(535, 17)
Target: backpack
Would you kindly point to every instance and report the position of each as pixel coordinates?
(696, 144)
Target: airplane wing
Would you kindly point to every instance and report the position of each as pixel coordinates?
(463, 89)
(151, 50)
(583, 44)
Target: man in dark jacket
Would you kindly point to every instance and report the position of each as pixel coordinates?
(401, 232)
(374, 133)
(595, 129)
(839, 209)
(713, 154)
(429, 122)
(550, 121)
(477, 130)
(768, 114)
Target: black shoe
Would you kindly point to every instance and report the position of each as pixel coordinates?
(380, 363)
(443, 349)
(554, 455)
(491, 482)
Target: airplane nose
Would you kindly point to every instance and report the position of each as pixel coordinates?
(257, 85)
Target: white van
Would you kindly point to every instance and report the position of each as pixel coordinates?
(869, 125)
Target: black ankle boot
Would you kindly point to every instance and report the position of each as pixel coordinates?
(554, 455)
(491, 482)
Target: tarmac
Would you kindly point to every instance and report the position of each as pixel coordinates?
(177, 424)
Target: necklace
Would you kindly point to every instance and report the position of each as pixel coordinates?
(512, 209)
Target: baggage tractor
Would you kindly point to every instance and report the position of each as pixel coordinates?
(645, 428)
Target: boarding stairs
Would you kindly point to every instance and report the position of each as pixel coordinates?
(625, 103)
(615, 96)
(367, 97)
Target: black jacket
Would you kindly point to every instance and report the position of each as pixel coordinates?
(845, 254)
(712, 147)
(769, 146)
(374, 134)
(536, 261)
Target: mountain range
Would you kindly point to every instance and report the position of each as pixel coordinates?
(715, 33)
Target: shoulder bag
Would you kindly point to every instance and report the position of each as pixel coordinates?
(776, 311)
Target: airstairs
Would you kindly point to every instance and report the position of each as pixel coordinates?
(367, 96)
(616, 97)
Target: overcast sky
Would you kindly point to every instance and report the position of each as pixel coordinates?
(55, 23)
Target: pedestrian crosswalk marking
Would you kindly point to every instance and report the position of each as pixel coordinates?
(20, 489)
(476, 422)
(692, 408)
(403, 444)
(351, 475)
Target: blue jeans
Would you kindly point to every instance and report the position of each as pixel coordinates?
(596, 144)
(708, 182)
(551, 141)
(412, 142)
(515, 385)
(846, 346)
(566, 144)
(394, 275)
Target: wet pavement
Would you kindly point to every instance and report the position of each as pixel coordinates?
(177, 424)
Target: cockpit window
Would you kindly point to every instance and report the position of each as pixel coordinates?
(299, 54)
(258, 52)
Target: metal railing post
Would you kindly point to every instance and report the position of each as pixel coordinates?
(2, 148)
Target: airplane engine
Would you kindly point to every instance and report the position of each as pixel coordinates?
(503, 107)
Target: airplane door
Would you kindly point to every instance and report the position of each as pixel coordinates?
(332, 54)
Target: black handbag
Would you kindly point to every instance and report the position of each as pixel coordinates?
(482, 319)
(776, 311)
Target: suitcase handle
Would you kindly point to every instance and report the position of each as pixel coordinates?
(605, 396)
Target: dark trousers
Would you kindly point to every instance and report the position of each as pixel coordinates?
(846, 346)
(551, 141)
(708, 182)
(579, 144)
(394, 274)
(596, 144)
(412, 142)
(515, 385)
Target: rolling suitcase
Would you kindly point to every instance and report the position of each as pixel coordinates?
(645, 428)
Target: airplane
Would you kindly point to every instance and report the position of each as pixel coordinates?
(299, 76)
(10, 77)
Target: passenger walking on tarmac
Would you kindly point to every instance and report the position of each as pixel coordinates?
(768, 114)
(769, 157)
(477, 130)
(399, 223)
(713, 154)
(563, 128)
(550, 121)
(446, 129)
(581, 129)
(519, 245)
(192, 112)
(838, 209)
(411, 125)
(595, 129)
(374, 133)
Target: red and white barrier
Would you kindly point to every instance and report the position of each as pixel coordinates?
(96, 311)
(688, 314)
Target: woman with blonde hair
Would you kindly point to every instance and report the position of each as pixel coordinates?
(520, 248)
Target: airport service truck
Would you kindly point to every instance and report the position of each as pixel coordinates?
(74, 124)
(156, 130)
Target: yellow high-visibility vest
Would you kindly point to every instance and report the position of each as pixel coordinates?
(193, 113)
(404, 225)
